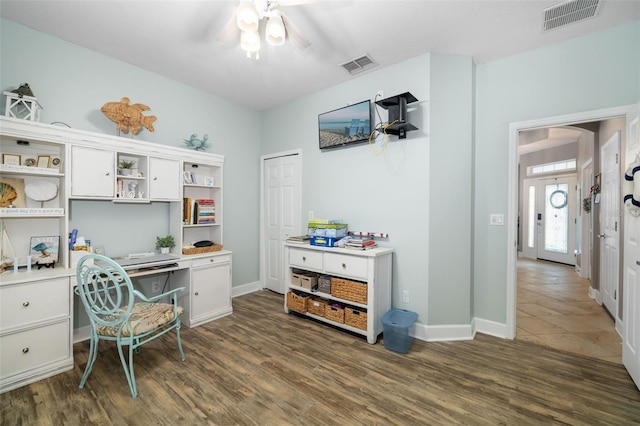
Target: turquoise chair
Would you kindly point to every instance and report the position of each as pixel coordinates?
(109, 299)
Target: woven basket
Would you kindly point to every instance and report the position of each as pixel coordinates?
(200, 250)
(355, 318)
(296, 302)
(349, 290)
(316, 306)
(334, 313)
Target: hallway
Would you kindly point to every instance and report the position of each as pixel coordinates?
(554, 309)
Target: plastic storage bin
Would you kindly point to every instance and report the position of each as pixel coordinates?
(395, 326)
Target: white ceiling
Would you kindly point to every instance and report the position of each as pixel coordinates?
(177, 39)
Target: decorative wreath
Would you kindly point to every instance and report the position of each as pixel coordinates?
(631, 187)
(558, 199)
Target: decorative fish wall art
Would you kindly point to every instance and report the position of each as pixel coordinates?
(128, 117)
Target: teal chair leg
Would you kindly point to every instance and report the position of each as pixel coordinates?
(182, 357)
(93, 354)
(128, 369)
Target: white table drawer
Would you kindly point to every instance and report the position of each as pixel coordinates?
(345, 265)
(32, 348)
(22, 304)
(305, 259)
(205, 261)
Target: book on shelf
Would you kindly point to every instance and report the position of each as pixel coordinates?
(302, 239)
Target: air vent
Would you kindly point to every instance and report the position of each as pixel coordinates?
(359, 64)
(569, 12)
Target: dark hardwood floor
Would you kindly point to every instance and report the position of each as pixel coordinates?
(261, 366)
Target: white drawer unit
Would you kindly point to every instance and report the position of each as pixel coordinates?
(35, 329)
(370, 268)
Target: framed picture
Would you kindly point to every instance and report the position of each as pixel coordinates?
(44, 251)
(208, 181)
(43, 161)
(187, 177)
(12, 193)
(13, 159)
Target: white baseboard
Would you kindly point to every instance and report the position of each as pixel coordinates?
(440, 333)
(81, 334)
(491, 328)
(243, 289)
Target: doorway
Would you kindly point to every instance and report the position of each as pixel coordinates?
(512, 231)
(280, 210)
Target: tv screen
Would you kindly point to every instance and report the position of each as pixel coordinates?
(345, 126)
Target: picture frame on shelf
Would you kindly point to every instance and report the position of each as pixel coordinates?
(29, 162)
(56, 162)
(12, 159)
(208, 181)
(43, 161)
(44, 251)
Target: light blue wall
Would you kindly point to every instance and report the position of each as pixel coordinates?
(72, 83)
(592, 72)
(378, 193)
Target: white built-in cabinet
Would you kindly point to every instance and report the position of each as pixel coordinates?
(36, 317)
(372, 267)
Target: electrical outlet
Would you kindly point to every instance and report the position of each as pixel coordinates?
(156, 287)
(310, 214)
(405, 296)
(496, 219)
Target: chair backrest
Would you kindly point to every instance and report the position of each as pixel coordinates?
(105, 289)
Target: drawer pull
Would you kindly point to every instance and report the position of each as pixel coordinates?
(25, 304)
(211, 260)
(107, 174)
(196, 293)
(344, 266)
(25, 350)
(155, 178)
(304, 259)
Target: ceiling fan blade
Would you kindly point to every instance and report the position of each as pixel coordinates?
(294, 35)
(230, 32)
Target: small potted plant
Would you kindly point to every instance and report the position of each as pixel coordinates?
(164, 244)
(126, 166)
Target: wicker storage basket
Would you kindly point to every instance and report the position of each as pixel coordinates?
(349, 290)
(334, 313)
(200, 250)
(355, 318)
(297, 302)
(317, 306)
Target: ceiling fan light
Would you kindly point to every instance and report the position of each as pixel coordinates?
(247, 16)
(250, 41)
(275, 32)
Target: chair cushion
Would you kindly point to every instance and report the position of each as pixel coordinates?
(145, 317)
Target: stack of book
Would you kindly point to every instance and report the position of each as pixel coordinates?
(299, 239)
(361, 244)
(198, 211)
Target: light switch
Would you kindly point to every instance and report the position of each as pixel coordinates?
(496, 219)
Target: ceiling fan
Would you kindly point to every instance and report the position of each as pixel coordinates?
(278, 28)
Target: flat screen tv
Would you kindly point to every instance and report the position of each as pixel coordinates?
(345, 126)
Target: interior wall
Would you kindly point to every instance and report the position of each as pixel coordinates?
(72, 83)
(556, 80)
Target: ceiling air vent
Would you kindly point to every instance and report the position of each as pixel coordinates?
(569, 12)
(359, 64)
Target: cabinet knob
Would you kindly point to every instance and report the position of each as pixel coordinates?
(155, 178)
(25, 304)
(196, 293)
(344, 266)
(304, 259)
(212, 260)
(107, 174)
(25, 350)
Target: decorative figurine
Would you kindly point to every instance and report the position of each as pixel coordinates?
(197, 144)
(128, 117)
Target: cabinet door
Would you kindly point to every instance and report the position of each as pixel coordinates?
(92, 172)
(164, 179)
(210, 288)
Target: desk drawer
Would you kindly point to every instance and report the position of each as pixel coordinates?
(307, 259)
(345, 265)
(32, 348)
(205, 261)
(23, 304)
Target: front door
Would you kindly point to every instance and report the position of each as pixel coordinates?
(280, 213)
(631, 263)
(610, 223)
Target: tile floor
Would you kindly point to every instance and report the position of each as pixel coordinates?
(554, 309)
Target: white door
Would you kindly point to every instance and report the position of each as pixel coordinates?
(165, 179)
(280, 213)
(610, 223)
(631, 263)
(551, 233)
